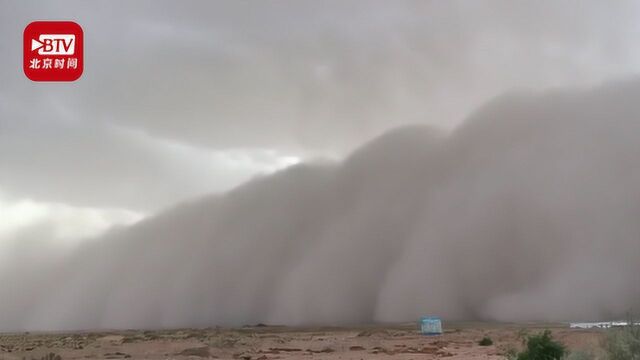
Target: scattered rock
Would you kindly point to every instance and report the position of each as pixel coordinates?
(323, 350)
(278, 349)
(51, 356)
(379, 349)
(201, 351)
(442, 353)
(367, 333)
(423, 350)
(440, 343)
(117, 355)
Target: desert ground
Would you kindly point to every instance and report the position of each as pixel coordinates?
(402, 341)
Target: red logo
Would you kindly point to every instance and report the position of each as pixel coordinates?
(53, 51)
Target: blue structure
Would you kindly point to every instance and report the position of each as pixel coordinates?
(430, 325)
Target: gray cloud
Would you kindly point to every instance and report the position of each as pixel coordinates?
(322, 76)
(526, 212)
(90, 163)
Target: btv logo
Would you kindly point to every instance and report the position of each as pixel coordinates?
(51, 44)
(53, 51)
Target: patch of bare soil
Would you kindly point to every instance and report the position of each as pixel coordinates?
(262, 342)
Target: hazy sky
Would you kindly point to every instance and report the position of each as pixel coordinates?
(185, 98)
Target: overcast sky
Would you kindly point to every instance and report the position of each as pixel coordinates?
(180, 99)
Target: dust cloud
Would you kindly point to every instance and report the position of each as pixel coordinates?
(527, 211)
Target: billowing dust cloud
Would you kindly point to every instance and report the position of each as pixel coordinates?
(528, 211)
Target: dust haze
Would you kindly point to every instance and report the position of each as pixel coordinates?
(526, 211)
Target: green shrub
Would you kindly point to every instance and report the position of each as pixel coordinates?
(486, 341)
(623, 343)
(542, 347)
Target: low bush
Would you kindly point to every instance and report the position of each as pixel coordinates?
(623, 343)
(486, 341)
(542, 347)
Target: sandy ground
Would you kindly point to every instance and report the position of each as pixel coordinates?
(460, 341)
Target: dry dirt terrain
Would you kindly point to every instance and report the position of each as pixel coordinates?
(460, 341)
